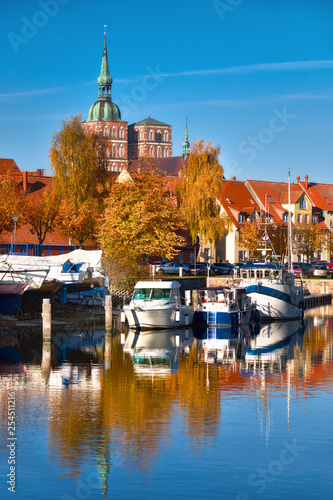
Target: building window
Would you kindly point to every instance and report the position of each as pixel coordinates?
(165, 136)
(299, 218)
(315, 219)
(114, 132)
(306, 218)
(166, 152)
(114, 151)
(285, 216)
(241, 218)
(303, 204)
(105, 132)
(158, 136)
(151, 152)
(151, 135)
(121, 151)
(159, 152)
(121, 133)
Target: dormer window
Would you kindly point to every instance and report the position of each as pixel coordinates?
(303, 204)
(241, 218)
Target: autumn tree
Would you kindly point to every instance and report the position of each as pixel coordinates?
(250, 236)
(41, 211)
(308, 239)
(78, 162)
(140, 218)
(198, 190)
(11, 202)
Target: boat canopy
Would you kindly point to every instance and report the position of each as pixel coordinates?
(157, 284)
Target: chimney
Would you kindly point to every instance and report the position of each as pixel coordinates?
(306, 181)
(233, 178)
(25, 181)
(298, 179)
(40, 172)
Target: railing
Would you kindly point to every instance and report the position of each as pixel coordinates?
(35, 250)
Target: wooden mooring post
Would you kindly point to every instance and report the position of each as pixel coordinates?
(46, 315)
(108, 312)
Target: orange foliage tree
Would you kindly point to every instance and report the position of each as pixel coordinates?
(78, 161)
(11, 202)
(198, 191)
(140, 218)
(42, 211)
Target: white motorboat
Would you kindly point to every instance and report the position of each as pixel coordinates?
(275, 291)
(157, 304)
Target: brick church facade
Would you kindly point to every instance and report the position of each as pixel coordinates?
(146, 138)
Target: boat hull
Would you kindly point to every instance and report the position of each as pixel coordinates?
(146, 317)
(275, 302)
(11, 297)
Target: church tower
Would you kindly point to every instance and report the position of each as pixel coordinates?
(186, 144)
(104, 118)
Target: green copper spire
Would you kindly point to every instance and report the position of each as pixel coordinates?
(104, 110)
(104, 80)
(186, 144)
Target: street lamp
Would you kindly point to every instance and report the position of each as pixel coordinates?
(15, 217)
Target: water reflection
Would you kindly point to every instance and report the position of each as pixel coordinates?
(107, 406)
(158, 352)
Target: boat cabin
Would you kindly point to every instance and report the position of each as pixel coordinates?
(165, 291)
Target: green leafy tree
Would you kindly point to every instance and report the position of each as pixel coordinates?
(140, 218)
(198, 191)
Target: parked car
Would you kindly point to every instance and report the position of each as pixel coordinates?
(173, 268)
(297, 270)
(306, 268)
(330, 269)
(199, 269)
(222, 268)
(319, 262)
(320, 271)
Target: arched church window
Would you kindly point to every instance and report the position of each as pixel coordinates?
(121, 133)
(165, 136)
(151, 151)
(166, 152)
(158, 152)
(151, 135)
(121, 151)
(114, 151)
(158, 136)
(114, 132)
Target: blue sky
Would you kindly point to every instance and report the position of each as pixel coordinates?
(253, 76)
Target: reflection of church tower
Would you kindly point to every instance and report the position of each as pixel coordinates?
(104, 118)
(186, 144)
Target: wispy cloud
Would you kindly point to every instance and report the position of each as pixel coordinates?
(29, 93)
(252, 68)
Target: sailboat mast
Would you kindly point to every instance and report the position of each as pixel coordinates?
(289, 228)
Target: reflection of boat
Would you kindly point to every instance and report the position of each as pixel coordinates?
(157, 353)
(225, 306)
(273, 290)
(222, 344)
(275, 342)
(157, 304)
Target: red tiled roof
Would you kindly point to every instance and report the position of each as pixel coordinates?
(7, 165)
(235, 198)
(168, 166)
(321, 195)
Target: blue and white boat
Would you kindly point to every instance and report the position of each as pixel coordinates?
(224, 306)
(276, 293)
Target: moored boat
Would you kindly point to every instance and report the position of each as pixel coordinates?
(156, 305)
(11, 296)
(224, 306)
(275, 291)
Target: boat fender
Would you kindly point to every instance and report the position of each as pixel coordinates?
(122, 316)
(177, 315)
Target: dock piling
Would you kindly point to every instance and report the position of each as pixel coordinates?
(46, 315)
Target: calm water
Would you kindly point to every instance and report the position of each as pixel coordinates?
(208, 414)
